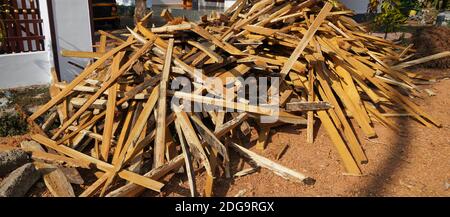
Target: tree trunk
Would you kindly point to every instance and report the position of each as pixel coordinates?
(139, 10)
(386, 30)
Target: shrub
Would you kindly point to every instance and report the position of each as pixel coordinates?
(12, 124)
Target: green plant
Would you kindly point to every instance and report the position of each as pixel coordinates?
(391, 17)
(12, 124)
(436, 4)
(4, 9)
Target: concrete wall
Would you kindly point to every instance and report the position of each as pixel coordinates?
(73, 32)
(24, 69)
(31, 68)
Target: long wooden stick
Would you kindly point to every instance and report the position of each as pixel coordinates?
(422, 60)
(305, 40)
(77, 81)
(158, 157)
(275, 167)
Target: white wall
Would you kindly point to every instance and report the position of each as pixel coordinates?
(31, 68)
(24, 69)
(359, 6)
(131, 2)
(167, 2)
(73, 32)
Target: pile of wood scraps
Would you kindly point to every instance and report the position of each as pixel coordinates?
(122, 116)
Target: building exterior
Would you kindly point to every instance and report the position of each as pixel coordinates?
(359, 6)
(57, 25)
(67, 24)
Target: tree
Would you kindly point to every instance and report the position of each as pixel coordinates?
(390, 17)
(139, 10)
(4, 9)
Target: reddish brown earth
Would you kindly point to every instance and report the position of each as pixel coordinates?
(417, 164)
(432, 40)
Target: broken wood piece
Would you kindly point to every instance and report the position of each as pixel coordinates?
(282, 151)
(422, 60)
(275, 167)
(262, 138)
(306, 38)
(307, 106)
(213, 55)
(245, 172)
(161, 115)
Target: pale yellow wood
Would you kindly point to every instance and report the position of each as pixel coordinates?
(213, 55)
(305, 40)
(158, 157)
(132, 177)
(77, 81)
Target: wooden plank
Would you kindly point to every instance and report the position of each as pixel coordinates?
(81, 54)
(192, 139)
(224, 45)
(273, 166)
(124, 133)
(305, 40)
(172, 28)
(132, 177)
(158, 157)
(310, 114)
(105, 86)
(213, 55)
(422, 60)
(307, 106)
(55, 180)
(48, 157)
(262, 138)
(61, 95)
(223, 103)
(260, 30)
(187, 159)
(349, 163)
(209, 182)
(110, 111)
(131, 189)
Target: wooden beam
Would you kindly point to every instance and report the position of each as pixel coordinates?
(110, 111)
(158, 157)
(275, 167)
(307, 106)
(61, 95)
(105, 86)
(187, 159)
(213, 55)
(306, 38)
(132, 177)
(422, 60)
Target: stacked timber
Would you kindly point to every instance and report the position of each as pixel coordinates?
(122, 117)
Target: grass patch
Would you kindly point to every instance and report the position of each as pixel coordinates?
(11, 124)
(29, 96)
